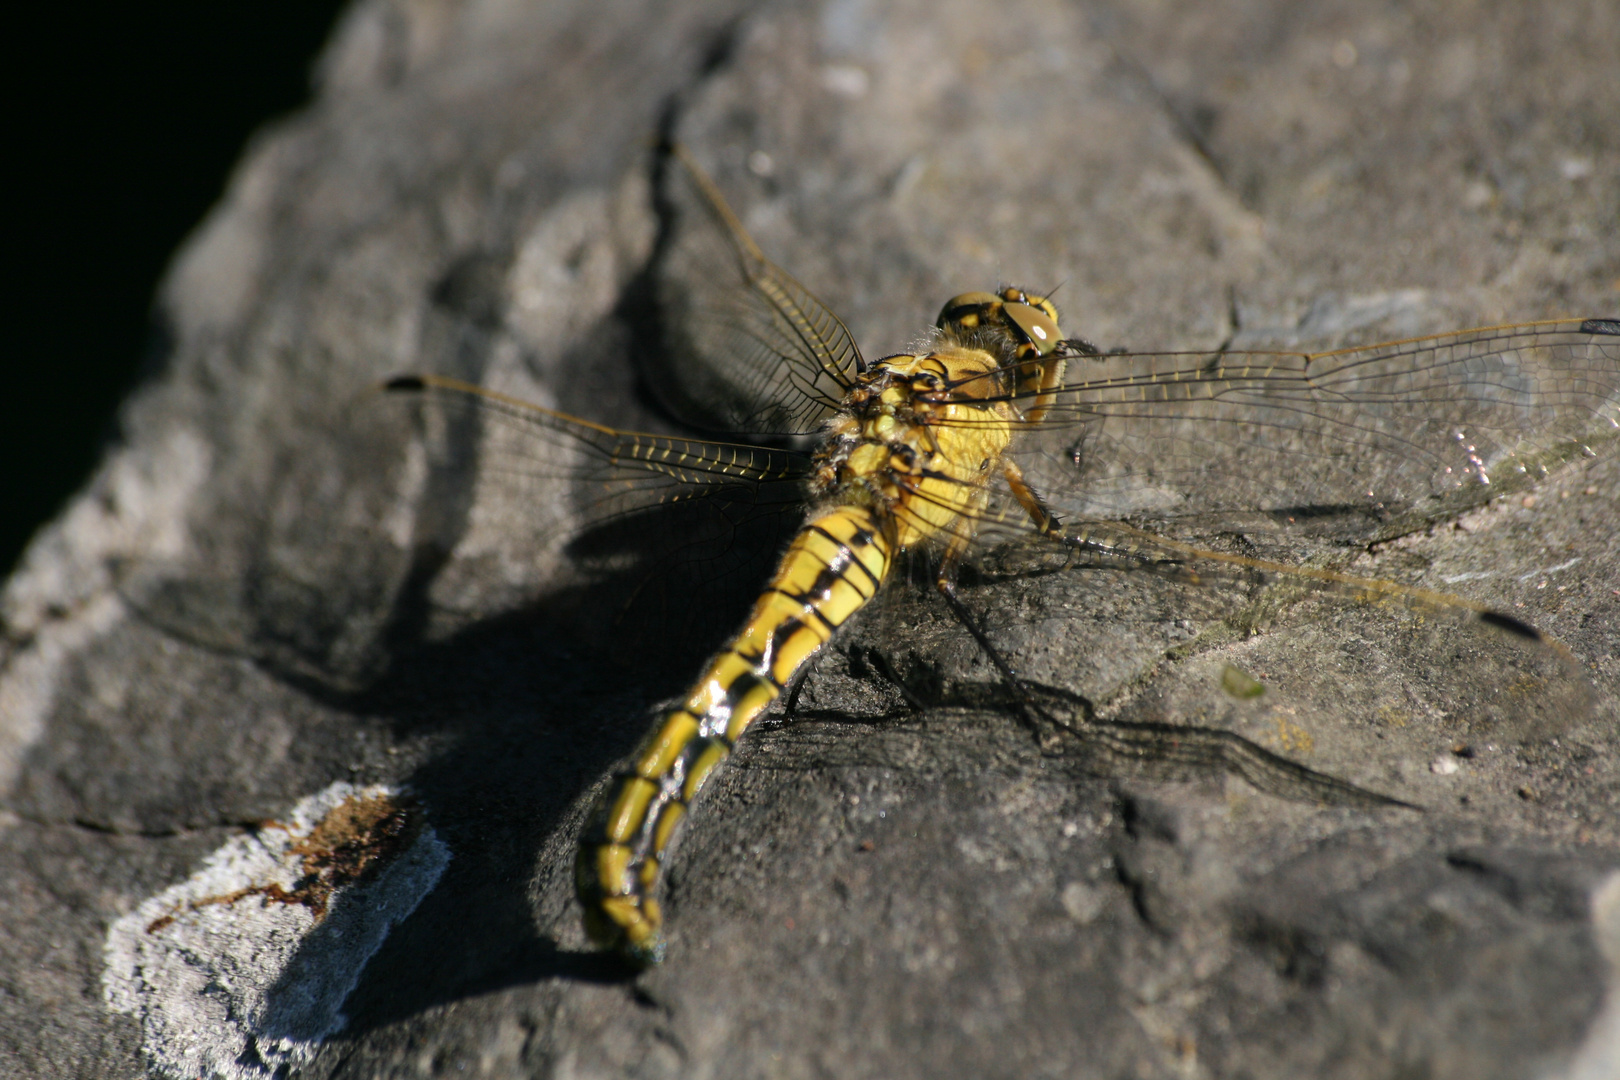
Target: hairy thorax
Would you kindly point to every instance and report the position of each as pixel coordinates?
(919, 437)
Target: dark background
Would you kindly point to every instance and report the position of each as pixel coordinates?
(132, 119)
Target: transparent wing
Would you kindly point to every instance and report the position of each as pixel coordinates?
(1229, 586)
(753, 352)
(679, 532)
(1241, 473)
(614, 474)
(1355, 444)
(665, 537)
(1231, 572)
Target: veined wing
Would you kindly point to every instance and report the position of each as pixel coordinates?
(1240, 585)
(671, 518)
(498, 481)
(753, 352)
(616, 473)
(1229, 571)
(1362, 444)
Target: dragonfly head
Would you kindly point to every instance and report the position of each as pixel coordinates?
(1026, 322)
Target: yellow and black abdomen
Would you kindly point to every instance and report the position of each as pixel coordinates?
(833, 567)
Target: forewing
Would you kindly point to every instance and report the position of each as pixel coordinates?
(1355, 444)
(1245, 474)
(752, 351)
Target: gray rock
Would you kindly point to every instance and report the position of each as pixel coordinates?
(279, 579)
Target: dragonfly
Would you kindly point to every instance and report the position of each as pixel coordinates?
(1001, 433)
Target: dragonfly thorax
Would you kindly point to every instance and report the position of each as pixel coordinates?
(916, 440)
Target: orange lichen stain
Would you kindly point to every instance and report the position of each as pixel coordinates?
(1526, 686)
(1291, 738)
(1390, 716)
(359, 835)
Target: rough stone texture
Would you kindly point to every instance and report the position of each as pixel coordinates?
(247, 963)
(267, 588)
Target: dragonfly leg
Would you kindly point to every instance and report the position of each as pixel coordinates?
(1047, 522)
(1035, 506)
(1169, 747)
(791, 704)
(1038, 719)
(945, 582)
(878, 662)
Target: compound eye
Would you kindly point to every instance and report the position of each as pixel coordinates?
(1039, 328)
(967, 303)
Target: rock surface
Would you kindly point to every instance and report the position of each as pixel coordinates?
(269, 587)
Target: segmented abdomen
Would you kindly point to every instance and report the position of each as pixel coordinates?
(833, 566)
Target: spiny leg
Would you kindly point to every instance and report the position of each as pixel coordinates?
(878, 661)
(1037, 718)
(1035, 506)
(791, 703)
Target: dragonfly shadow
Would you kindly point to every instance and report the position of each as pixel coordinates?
(514, 718)
(525, 712)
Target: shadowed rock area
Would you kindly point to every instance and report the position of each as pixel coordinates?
(281, 579)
